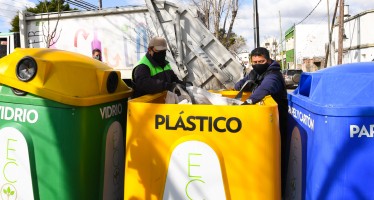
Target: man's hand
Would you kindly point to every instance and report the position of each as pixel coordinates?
(248, 102)
(171, 86)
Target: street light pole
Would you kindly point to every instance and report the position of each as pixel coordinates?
(281, 40)
(328, 52)
(255, 24)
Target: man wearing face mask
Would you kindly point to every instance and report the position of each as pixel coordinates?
(267, 79)
(96, 54)
(153, 73)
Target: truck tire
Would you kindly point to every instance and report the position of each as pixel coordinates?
(296, 78)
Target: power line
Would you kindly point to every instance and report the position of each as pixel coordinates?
(87, 4)
(309, 13)
(82, 4)
(78, 5)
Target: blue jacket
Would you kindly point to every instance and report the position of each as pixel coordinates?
(270, 83)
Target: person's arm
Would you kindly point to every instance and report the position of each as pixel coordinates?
(270, 85)
(147, 84)
(174, 78)
(240, 83)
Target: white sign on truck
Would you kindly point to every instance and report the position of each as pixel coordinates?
(121, 34)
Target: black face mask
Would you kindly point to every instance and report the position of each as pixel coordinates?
(98, 57)
(159, 57)
(260, 68)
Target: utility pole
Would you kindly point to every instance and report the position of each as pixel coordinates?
(294, 47)
(281, 40)
(341, 32)
(255, 24)
(328, 53)
(100, 4)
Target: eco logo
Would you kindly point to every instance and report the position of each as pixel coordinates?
(194, 172)
(15, 166)
(8, 192)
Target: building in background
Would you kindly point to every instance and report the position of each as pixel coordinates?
(290, 47)
(275, 50)
(305, 46)
(358, 39)
(271, 44)
(243, 58)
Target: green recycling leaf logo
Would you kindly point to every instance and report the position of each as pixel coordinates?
(8, 192)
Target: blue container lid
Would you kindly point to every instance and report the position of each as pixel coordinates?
(343, 90)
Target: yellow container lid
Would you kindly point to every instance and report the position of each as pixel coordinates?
(62, 76)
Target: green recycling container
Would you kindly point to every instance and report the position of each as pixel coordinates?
(62, 126)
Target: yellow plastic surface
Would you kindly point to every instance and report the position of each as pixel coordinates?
(63, 76)
(249, 159)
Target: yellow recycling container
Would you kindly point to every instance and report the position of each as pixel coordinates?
(202, 151)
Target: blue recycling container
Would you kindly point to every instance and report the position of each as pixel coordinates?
(331, 134)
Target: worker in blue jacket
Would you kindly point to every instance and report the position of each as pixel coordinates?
(266, 79)
(153, 73)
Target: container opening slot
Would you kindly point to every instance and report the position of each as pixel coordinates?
(305, 85)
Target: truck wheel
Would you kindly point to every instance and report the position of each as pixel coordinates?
(296, 78)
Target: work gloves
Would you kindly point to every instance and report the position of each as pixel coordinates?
(172, 86)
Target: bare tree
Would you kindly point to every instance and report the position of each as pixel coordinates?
(204, 7)
(239, 42)
(218, 6)
(50, 33)
(234, 12)
(213, 11)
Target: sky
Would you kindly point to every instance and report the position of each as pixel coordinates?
(275, 17)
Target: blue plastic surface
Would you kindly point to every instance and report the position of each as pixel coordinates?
(345, 90)
(331, 134)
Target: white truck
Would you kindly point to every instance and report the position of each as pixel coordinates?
(123, 33)
(8, 41)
